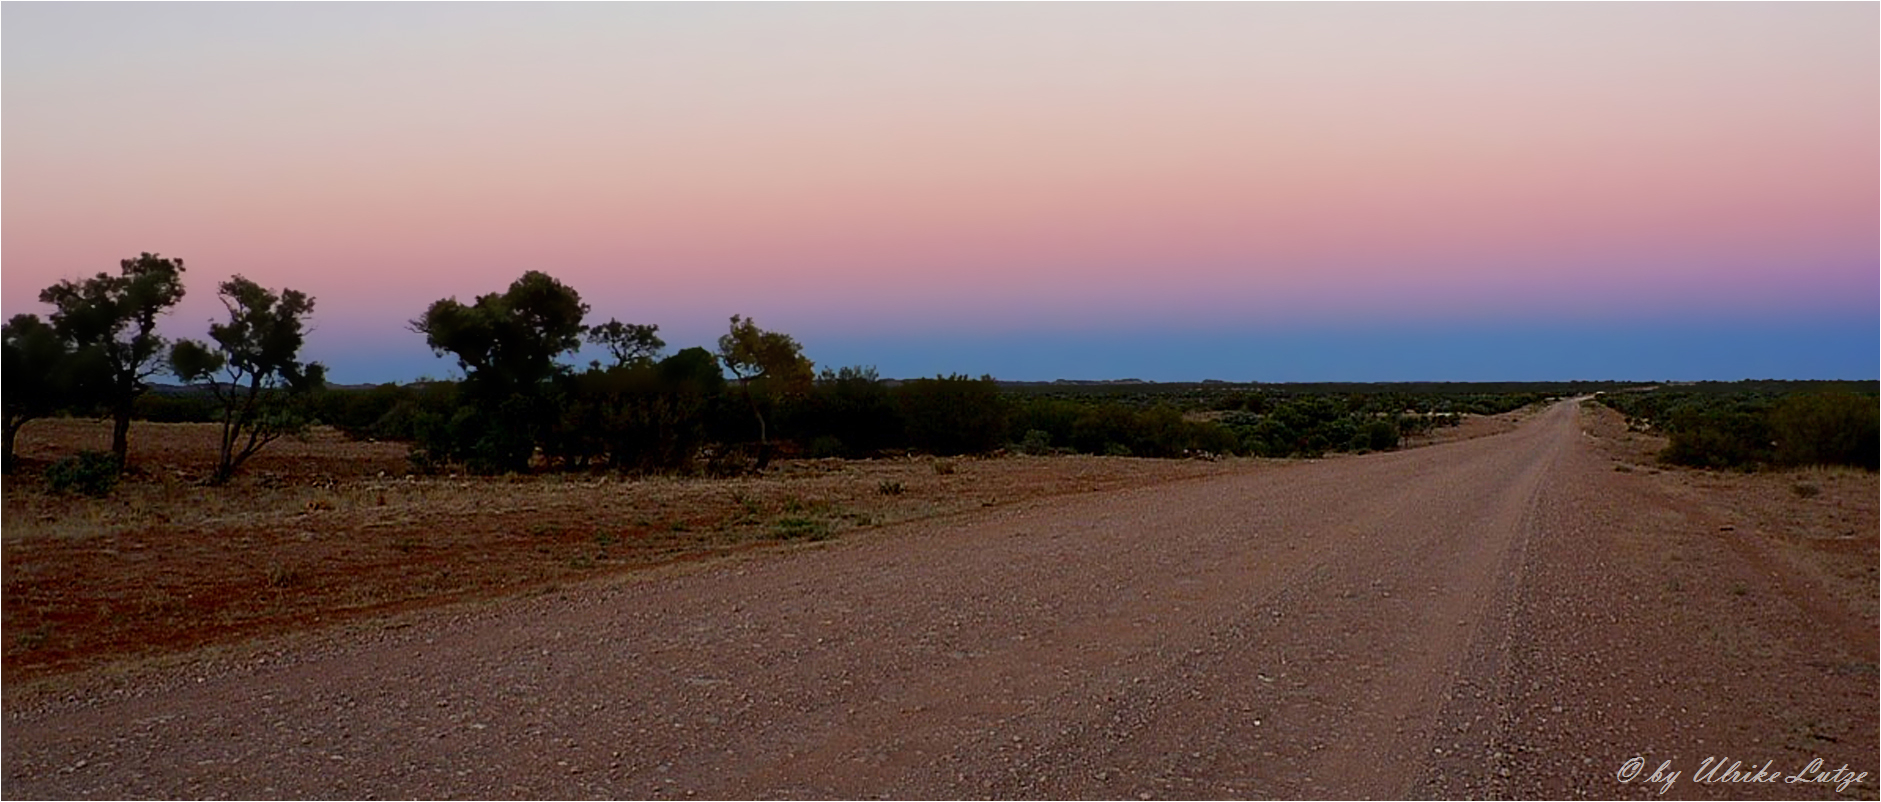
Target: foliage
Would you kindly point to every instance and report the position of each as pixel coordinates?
(93, 473)
(1746, 425)
(630, 343)
(508, 345)
(117, 317)
(847, 413)
(952, 414)
(1828, 428)
(769, 367)
(191, 406)
(640, 418)
(253, 370)
(43, 374)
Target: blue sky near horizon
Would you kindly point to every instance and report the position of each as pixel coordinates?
(1668, 351)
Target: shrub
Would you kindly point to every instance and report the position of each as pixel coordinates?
(1835, 428)
(1036, 442)
(826, 447)
(793, 527)
(180, 408)
(1380, 435)
(1728, 436)
(93, 473)
(953, 415)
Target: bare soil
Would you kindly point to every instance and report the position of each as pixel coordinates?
(1522, 614)
(327, 530)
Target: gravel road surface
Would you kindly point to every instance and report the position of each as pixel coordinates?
(1482, 618)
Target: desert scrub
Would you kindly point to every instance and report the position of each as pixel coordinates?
(793, 527)
(93, 473)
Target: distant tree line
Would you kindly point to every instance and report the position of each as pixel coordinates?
(523, 406)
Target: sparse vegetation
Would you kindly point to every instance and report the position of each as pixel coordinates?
(93, 473)
(1751, 425)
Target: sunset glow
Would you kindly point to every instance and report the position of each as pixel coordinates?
(1237, 191)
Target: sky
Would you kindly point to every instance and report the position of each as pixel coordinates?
(1172, 192)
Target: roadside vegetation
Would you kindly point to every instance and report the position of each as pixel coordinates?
(523, 405)
(1758, 425)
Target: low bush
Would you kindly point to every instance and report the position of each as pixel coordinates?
(1833, 428)
(93, 473)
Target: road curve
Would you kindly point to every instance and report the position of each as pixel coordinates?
(1352, 627)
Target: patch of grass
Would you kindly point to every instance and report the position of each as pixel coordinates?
(605, 539)
(35, 638)
(1806, 490)
(284, 576)
(405, 544)
(794, 527)
(581, 562)
(945, 467)
(890, 487)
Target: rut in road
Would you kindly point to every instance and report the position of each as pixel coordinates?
(1293, 630)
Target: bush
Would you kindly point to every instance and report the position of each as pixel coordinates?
(1835, 428)
(185, 408)
(93, 473)
(1737, 436)
(1380, 435)
(953, 415)
(850, 412)
(1036, 442)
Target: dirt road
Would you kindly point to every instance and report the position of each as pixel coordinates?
(1494, 617)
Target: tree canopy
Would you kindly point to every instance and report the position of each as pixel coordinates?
(117, 316)
(253, 367)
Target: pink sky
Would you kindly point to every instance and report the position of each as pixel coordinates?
(851, 170)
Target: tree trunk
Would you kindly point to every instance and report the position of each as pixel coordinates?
(13, 428)
(121, 434)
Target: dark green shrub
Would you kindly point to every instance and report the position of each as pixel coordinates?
(1719, 436)
(953, 414)
(93, 473)
(849, 407)
(1380, 435)
(1036, 442)
(182, 408)
(1834, 428)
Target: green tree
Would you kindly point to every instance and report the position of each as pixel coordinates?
(769, 366)
(630, 343)
(117, 316)
(508, 345)
(257, 354)
(43, 373)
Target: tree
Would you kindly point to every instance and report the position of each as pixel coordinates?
(257, 354)
(43, 373)
(765, 363)
(117, 315)
(630, 343)
(508, 345)
(953, 414)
